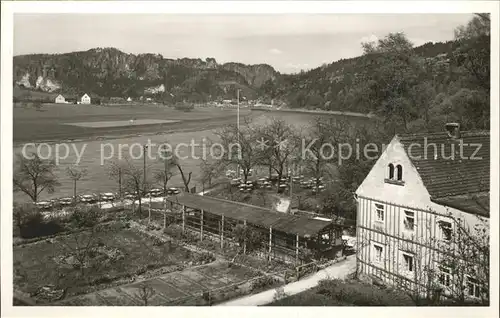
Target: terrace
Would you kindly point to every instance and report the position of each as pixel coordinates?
(283, 234)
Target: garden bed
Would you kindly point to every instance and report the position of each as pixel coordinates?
(122, 254)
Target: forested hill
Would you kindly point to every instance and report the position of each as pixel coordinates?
(410, 88)
(113, 73)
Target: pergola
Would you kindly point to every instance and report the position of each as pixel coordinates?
(285, 233)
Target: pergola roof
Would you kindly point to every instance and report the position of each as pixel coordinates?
(293, 224)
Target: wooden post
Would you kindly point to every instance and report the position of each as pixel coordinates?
(149, 210)
(222, 233)
(165, 213)
(183, 218)
(270, 241)
(201, 226)
(245, 238)
(297, 249)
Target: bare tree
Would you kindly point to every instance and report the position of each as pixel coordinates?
(145, 293)
(83, 247)
(241, 145)
(453, 265)
(116, 172)
(172, 160)
(33, 176)
(467, 257)
(75, 174)
(209, 171)
(280, 142)
(167, 172)
(134, 181)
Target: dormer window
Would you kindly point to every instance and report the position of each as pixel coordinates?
(391, 171)
(395, 174)
(399, 170)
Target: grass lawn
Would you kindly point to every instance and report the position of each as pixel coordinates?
(346, 293)
(49, 123)
(124, 252)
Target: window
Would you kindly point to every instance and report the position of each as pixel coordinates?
(391, 171)
(399, 170)
(378, 253)
(444, 275)
(473, 288)
(409, 221)
(379, 209)
(446, 230)
(408, 262)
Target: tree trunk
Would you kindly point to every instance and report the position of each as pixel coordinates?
(74, 190)
(120, 184)
(35, 192)
(186, 181)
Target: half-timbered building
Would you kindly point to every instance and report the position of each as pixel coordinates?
(421, 190)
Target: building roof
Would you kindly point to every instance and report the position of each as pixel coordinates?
(288, 223)
(448, 179)
(476, 203)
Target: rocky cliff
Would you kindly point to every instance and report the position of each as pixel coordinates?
(111, 72)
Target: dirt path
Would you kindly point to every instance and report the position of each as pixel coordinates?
(337, 270)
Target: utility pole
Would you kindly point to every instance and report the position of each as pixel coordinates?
(238, 126)
(144, 147)
(290, 175)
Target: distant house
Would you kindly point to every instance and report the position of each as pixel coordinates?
(129, 99)
(60, 99)
(85, 99)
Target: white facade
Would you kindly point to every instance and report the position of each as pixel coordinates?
(60, 99)
(400, 231)
(85, 99)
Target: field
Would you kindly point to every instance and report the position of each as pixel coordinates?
(48, 124)
(179, 288)
(123, 252)
(195, 125)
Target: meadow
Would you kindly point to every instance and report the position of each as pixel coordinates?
(195, 125)
(50, 123)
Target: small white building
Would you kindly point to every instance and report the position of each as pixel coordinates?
(85, 99)
(60, 99)
(129, 99)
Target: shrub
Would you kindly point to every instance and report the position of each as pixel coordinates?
(205, 258)
(32, 224)
(158, 241)
(263, 282)
(85, 216)
(279, 293)
(173, 231)
(208, 245)
(184, 107)
(359, 294)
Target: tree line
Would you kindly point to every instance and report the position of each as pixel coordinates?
(412, 89)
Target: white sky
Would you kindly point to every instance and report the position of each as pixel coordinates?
(287, 42)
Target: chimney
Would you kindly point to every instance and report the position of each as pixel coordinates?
(453, 130)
